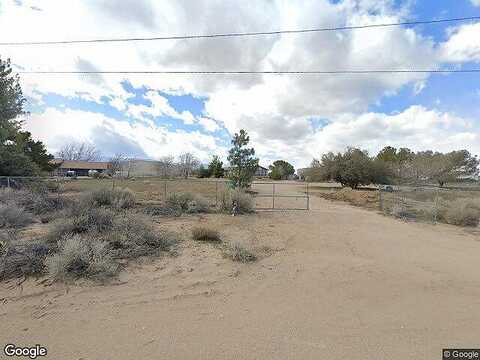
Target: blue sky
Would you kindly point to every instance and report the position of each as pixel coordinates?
(290, 117)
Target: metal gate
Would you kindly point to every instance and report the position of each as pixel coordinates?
(281, 195)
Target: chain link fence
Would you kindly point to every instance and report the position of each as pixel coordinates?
(149, 190)
(457, 206)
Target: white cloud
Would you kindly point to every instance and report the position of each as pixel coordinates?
(208, 124)
(276, 110)
(475, 2)
(463, 44)
(56, 128)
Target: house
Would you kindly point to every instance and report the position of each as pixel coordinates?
(259, 172)
(78, 168)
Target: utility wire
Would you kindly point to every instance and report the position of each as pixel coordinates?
(225, 35)
(425, 71)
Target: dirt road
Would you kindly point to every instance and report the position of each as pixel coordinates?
(344, 283)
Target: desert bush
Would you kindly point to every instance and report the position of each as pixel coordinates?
(116, 198)
(159, 210)
(37, 202)
(461, 212)
(187, 202)
(13, 216)
(18, 259)
(197, 205)
(200, 233)
(81, 257)
(179, 201)
(239, 253)
(132, 237)
(245, 203)
(82, 220)
(400, 211)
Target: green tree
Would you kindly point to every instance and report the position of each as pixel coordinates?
(352, 168)
(35, 150)
(11, 102)
(449, 167)
(242, 160)
(203, 172)
(20, 155)
(216, 167)
(281, 169)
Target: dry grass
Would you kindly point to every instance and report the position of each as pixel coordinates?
(460, 212)
(114, 198)
(364, 198)
(80, 257)
(245, 202)
(14, 216)
(238, 252)
(187, 203)
(201, 233)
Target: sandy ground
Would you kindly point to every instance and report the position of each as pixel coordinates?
(342, 283)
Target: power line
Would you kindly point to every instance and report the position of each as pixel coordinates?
(225, 35)
(314, 72)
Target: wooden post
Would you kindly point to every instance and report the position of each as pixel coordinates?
(216, 193)
(8, 182)
(273, 202)
(381, 200)
(308, 199)
(165, 191)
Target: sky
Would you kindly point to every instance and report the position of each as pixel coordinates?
(291, 117)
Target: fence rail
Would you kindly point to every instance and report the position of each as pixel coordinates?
(282, 195)
(458, 206)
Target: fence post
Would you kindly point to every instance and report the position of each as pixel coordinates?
(273, 202)
(380, 198)
(165, 191)
(216, 193)
(8, 182)
(308, 199)
(436, 208)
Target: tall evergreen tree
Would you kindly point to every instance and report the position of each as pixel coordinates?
(242, 160)
(20, 155)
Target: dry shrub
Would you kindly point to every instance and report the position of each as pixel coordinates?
(460, 212)
(13, 216)
(115, 198)
(20, 259)
(187, 203)
(132, 237)
(200, 233)
(82, 220)
(401, 212)
(363, 198)
(37, 202)
(81, 257)
(245, 203)
(238, 252)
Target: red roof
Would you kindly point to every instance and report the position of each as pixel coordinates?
(84, 165)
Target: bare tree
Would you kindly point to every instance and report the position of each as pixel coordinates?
(79, 151)
(117, 164)
(187, 163)
(165, 165)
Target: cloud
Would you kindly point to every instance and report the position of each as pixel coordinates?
(86, 66)
(463, 44)
(475, 2)
(208, 124)
(131, 11)
(276, 110)
(56, 128)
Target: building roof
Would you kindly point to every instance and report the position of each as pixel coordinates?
(258, 167)
(84, 165)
